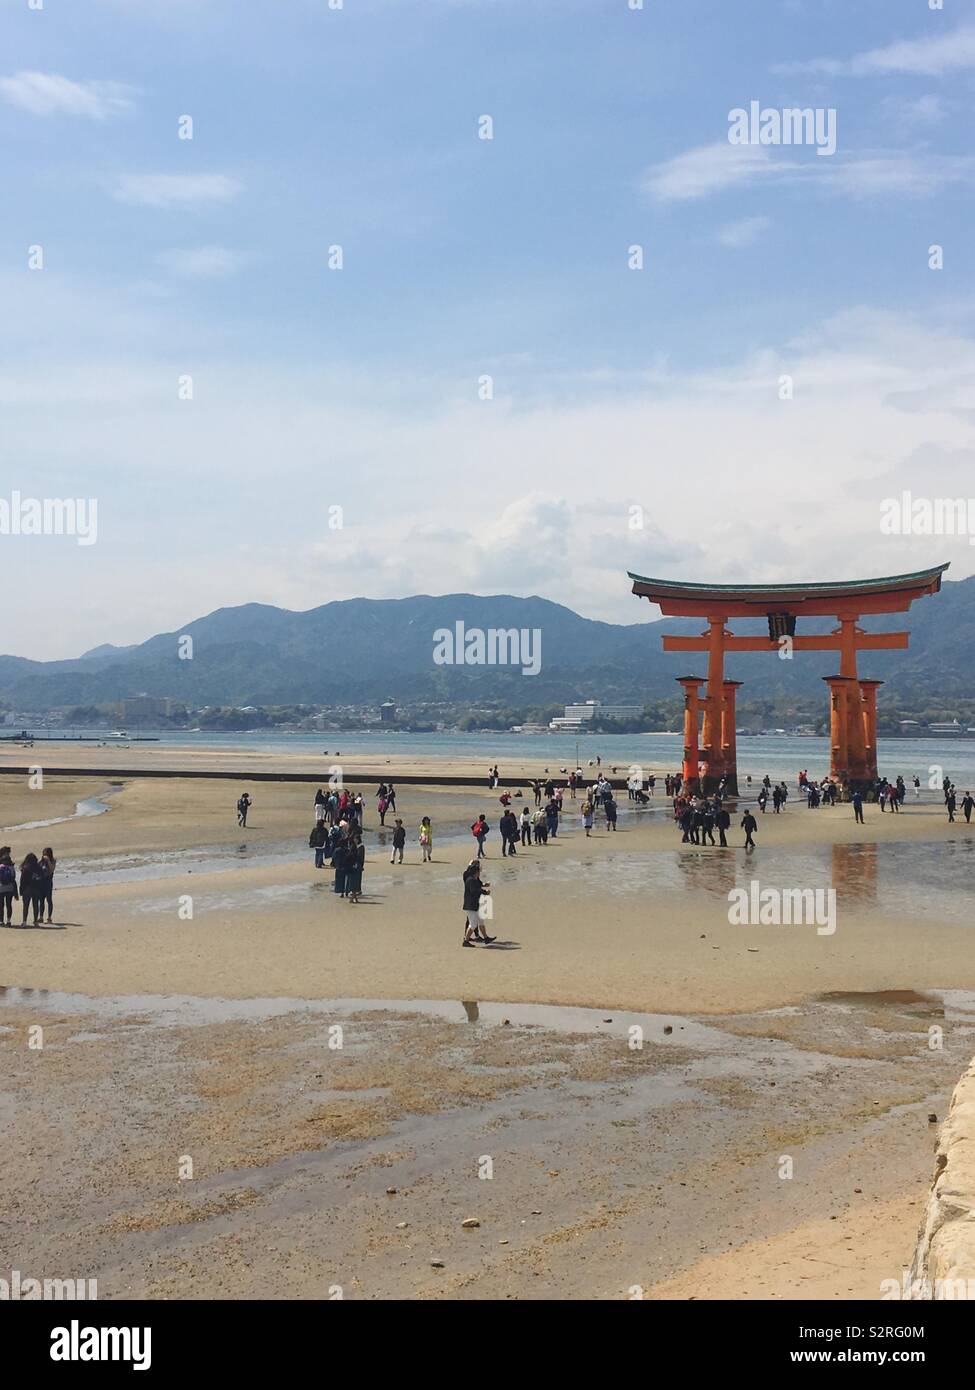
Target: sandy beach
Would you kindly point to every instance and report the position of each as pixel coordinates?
(188, 984)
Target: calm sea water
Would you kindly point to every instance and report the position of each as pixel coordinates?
(780, 756)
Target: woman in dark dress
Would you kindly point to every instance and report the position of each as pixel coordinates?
(30, 886)
(353, 873)
(46, 869)
(340, 861)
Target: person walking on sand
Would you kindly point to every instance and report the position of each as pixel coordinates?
(917, 787)
(540, 827)
(30, 889)
(8, 886)
(317, 841)
(526, 826)
(321, 801)
(353, 873)
(391, 798)
(481, 830)
(856, 801)
(382, 807)
(951, 803)
(508, 825)
(399, 841)
(243, 806)
(609, 807)
(968, 806)
(426, 840)
(587, 817)
(722, 822)
(749, 824)
(474, 891)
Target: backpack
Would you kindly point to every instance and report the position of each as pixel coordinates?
(7, 875)
(478, 829)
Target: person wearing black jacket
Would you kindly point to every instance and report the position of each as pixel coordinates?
(340, 863)
(508, 825)
(722, 821)
(316, 841)
(8, 886)
(31, 887)
(474, 891)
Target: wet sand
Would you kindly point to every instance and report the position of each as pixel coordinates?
(186, 1150)
(632, 921)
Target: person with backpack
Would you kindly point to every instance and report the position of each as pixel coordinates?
(30, 888)
(399, 841)
(481, 830)
(8, 886)
(317, 840)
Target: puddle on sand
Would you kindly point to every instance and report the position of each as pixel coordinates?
(695, 1034)
(929, 880)
(88, 806)
(184, 1010)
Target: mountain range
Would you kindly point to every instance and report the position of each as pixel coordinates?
(361, 650)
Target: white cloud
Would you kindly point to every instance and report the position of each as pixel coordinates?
(916, 175)
(202, 262)
(176, 190)
(743, 232)
(921, 111)
(49, 94)
(708, 169)
(932, 56)
(716, 168)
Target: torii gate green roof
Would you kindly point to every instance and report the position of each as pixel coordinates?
(892, 594)
(833, 587)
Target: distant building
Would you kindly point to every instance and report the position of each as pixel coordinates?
(143, 709)
(387, 712)
(577, 716)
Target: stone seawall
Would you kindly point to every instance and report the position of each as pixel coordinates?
(944, 1261)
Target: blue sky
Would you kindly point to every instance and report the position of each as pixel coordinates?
(612, 388)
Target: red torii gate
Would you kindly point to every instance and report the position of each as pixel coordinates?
(710, 753)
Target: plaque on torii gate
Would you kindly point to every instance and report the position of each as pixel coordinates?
(709, 748)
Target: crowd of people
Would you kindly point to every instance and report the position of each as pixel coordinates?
(337, 835)
(33, 886)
